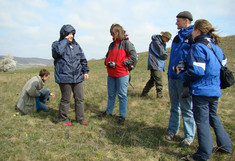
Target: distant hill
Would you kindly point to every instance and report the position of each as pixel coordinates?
(23, 63)
(227, 44)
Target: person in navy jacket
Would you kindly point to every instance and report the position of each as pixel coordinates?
(70, 71)
(203, 76)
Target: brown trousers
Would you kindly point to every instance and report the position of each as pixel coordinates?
(155, 79)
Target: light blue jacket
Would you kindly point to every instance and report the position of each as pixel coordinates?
(157, 54)
(203, 71)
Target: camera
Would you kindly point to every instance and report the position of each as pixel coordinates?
(181, 66)
(111, 64)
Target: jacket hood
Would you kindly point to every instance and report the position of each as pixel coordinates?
(65, 30)
(157, 38)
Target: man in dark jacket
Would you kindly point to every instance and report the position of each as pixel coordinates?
(70, 71)
(156, 63)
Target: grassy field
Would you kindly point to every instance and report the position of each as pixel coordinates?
(39, 136)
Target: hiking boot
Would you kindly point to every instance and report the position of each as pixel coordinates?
(104, 114)
(170, 136)
(186, 143)
(143, 94)
(121, 120)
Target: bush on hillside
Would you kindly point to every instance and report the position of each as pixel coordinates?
(7, 64)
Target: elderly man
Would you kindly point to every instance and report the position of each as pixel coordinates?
(156, 63)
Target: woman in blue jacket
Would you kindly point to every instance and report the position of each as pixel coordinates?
(70, 71)
(203, 74)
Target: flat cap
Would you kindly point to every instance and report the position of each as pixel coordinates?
(185, 14)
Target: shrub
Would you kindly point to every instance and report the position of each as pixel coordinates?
(7, 64)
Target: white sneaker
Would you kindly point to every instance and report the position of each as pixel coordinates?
(186, 142)
(170, 136)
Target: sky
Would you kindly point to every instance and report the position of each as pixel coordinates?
(29, 27)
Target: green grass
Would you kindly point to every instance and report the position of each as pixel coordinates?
(39, 136)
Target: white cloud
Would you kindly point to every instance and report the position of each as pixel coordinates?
(28, 27)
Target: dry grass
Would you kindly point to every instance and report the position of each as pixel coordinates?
(40, 136)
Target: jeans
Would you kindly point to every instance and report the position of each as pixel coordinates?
(43, 98)
(155, 79)
(180, 104)
(205, 115)
(117, 85)
(78, 94)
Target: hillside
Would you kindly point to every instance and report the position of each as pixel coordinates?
(40, 136)
(228, 46)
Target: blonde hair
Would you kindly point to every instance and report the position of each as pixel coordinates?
(206, 29)
(119, 29)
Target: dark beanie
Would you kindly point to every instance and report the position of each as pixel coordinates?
(185, 14)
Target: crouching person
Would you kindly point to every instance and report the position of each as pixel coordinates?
(33, 98)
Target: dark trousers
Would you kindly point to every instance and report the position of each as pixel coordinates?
(205, 115)
(78, 95)
(155, 79)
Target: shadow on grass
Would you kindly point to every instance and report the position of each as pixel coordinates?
(133, 93)
(52, 114)
(134, 133)
(139, 134)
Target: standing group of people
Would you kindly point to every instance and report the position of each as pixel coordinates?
(193, 80)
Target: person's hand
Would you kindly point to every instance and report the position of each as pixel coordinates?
(86, 76)
(69, 37)
(177, 70)
(52, 95)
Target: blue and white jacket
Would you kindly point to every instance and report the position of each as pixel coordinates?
(69, 59)
(157, 54)
(203, 68)
(179, 49)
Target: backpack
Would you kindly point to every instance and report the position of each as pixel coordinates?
(226, 76)
(130, 67)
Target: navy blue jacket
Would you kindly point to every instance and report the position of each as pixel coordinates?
(179, 49)
(157, 54)
(203, 68)
(69, 59)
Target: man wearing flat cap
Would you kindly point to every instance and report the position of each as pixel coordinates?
(156, 63)
(180, 103)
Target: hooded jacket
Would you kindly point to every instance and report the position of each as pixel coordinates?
(203, 71)
(122, 53)
(69, 60)
(157, 54)
(179, 49)
(31, 90)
